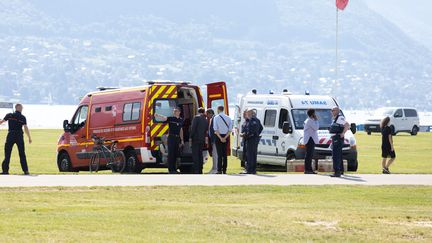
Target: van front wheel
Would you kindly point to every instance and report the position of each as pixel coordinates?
(132, 163)
(352, 165)
(414, 131)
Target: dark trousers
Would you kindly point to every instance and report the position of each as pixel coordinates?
(244, 159)
(337, 143)
(173, 153)
(14, 137)
(222, 155)
(310, 149)
(252, 153)
(197, 156)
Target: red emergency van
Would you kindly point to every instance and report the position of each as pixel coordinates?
(126, 115)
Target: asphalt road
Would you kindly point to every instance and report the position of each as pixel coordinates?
(209, 180)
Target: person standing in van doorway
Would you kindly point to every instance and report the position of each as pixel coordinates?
(310, 134)
(222, 125)
(15, 136)
(253, 137)
(243, 133)
(175, 138)
(387, 147)
(198, 139)
(338, 129)
(212, 141)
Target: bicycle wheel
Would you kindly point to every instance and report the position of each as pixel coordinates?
(94, 162)
(118, 162)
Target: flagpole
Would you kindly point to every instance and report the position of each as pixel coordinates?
(337, 46)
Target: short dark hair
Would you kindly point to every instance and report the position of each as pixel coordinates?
(210, 111)
(18, 105)
(310, 112)
(201, 110)
(220, 108)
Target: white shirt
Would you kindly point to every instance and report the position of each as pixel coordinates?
(310, 130)
(219, 124)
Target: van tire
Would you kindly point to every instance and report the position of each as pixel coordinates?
(64, 163)
(132, 164)
(369, 132)
(393, 130)
(352, 165)
(414, 131)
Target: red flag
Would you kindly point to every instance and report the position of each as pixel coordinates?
(341, 4)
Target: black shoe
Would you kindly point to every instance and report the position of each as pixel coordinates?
(336, 174)
(342, 172)
(219, 172)
(386, 171)
(310, 172)
(4, 173)
(243, 172)
(26, 173)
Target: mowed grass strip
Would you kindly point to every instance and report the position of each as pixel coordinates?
(414, 154)
(217, 214)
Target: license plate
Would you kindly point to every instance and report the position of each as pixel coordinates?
(373, 127)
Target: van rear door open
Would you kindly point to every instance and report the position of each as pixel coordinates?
(217, 96)
(162, 101)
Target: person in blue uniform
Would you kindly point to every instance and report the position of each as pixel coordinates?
(253, 136)
(243, 133)
(16, 122)
(175, 138)
(338, 129)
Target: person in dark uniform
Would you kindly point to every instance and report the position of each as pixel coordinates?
(175, 138)
(253, 132)
(387, 148)
(338, 129)
(15, 136)
(243, 133)
(198, 139)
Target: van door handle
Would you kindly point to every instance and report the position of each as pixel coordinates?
(275, 137)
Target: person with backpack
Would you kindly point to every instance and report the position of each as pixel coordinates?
(222, 125)
(252, 137)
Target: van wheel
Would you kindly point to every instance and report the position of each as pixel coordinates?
(414, 131)
(352, 165)
(393, 130)
(65, 164)
(290, 156)
(132, 164)
(369, 132)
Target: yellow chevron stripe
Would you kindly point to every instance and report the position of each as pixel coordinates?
(169, 91)
(163, 131)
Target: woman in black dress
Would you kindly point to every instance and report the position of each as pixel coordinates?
(387, 145)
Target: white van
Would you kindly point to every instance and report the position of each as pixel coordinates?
(283, 116)
(402, 119)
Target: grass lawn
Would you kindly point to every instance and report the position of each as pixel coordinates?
(414, 154)
(217, 214)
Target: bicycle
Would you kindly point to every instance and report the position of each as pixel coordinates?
(115, 158)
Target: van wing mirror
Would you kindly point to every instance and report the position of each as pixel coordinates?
(66, 126)
(353, 128)
(287, 128)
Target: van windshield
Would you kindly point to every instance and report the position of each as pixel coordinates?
(325, 118)
(383, 112)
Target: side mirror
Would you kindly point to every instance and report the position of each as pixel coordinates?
(287, 128)
(353, 128)
(66, 126)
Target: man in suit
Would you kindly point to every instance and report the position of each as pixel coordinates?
(198, 139)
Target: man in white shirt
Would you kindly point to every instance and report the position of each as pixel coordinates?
(222, 125)
(311, 126)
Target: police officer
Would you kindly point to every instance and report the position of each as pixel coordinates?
(15, 136)
(253, 132)
(175, 138)
(337, 130)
